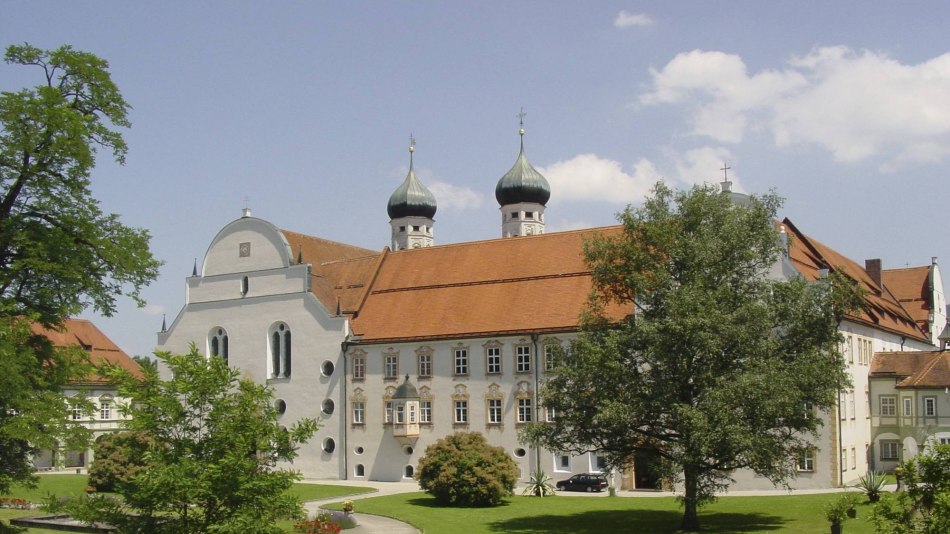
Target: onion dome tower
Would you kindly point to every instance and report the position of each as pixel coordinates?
(411, 208)
(522, 194)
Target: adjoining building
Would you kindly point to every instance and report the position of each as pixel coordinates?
(106, 417)
(395, 349)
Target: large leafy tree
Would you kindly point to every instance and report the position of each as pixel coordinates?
(211, 460)
(59, 253)
(715, 362)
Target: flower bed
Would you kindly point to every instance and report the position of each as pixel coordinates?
(16, 503)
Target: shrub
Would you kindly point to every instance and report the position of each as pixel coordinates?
(323, 524)
(118, 458)
(464, 470)
(924, 505)
(539, 485)
(871, 485)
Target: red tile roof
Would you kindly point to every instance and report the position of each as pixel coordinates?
(339, 271)
(911, 286)
(522, 285)
(924, 369)
(101, 349)
(881, 308)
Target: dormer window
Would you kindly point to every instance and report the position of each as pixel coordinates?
(529, 215)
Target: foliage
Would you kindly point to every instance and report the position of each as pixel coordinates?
(33, 410)
(923, 507)
(462, 469)
(118, 459)
(213, 462)
(872, 485)
(836, 511)
(713, 371)
(59, 253)
(539, 485)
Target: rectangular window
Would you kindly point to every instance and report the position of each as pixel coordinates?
(412, 414)
(888, 405)
(493, 360)
(359, 368)
(598, 463)
(890, 449)
(461, 361)
(524, 410)
(494, 411)
(550, 413)
(849, 350)
(425, 365)
(562, 463)
(105, 410)
(400, 414)
(930, 406)
(851, 404)
(844, 459)
(806, 461)
(523, 359)
(76, 413)
(461, 411)
(550, 357)
(388, 418)
(908, 406)
(854, 458)
(843, 405)
(392, 367)
(359, 409)
(945, 441)
(425, 412)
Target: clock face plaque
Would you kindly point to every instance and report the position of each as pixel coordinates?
(244, 250)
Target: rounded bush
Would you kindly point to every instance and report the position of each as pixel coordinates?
(464, 470)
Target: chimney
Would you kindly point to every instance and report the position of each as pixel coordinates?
(873, 268)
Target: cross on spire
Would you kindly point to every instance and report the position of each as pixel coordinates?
(725, 171)
(412, 148)
(521, 116)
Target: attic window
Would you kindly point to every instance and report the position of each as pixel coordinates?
(402, 228)
(529, 215)
(514, 215)
(415, 228)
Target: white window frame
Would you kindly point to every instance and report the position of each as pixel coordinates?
(493, 360)
(930, 406)
(359, 412)
(908, 404)
(495, 416)
(359, 368)
(105, 410)
(892, 448)
(388, 412)
(560, 466)
(425, 412)
(523, 359)
(425, 365)
(461, 412)
(806, 461)
(460, 362)
(390, 366)
(888, 405)
(524, 410)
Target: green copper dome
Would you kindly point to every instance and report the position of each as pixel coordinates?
(411, 199)
(406, 391)
(523, 183)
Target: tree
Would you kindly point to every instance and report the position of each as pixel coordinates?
(59, 253)
(714, 370)
(924, 505)
(462, 469)
(213, 462)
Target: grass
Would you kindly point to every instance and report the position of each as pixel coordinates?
(63, 485)
(565, 514)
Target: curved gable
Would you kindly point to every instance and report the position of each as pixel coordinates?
(246, 244)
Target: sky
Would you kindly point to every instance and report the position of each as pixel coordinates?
(302, 111)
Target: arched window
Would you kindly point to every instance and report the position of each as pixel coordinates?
(280, 347)
(218, 343)
(360, 470)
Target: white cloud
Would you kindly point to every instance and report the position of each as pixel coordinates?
(704, 166)
(589, 177)
(856, 105)
(449, 196)
(153, 309)
(626, 19)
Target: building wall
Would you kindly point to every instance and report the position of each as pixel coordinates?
(277, 293)
(382, 457)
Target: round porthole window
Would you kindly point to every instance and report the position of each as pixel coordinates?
(520, 453)
(327, 368)
(359, 450)
(281, 406)
(328, 407)
(329, 445)
(408, 450)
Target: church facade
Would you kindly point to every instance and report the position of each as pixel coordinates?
(394, 349)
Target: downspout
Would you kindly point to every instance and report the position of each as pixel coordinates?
(537, 405)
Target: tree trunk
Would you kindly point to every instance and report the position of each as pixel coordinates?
(690, 512)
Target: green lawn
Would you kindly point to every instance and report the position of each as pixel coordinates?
(63, 485)
(521, 515)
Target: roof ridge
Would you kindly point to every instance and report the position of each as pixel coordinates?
(508, 239)
(318, 238)
(482, 282)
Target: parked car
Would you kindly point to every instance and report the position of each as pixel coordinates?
(583, 482)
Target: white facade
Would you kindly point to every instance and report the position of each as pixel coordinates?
(250, 288)
(523, 218)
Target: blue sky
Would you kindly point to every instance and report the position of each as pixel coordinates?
(306, 108)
